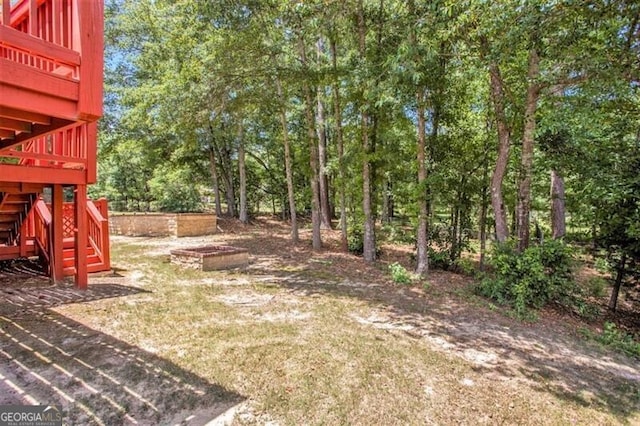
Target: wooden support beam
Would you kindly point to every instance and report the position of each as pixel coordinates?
(39, 102)
(57, 240)
(17, 125)
(7, 134)
(15, 173)
(32, 117)
(55, 125)
(81, 237)
(20, 188)
(29, 78)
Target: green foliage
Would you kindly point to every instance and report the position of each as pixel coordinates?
(399, 274)
(174, 191)
(586, 310)
(530, 279)
(596, 286)
(613, 337)
(465, 266)
(602, 265)
(355, 237)
(396, 233)
(439, 259)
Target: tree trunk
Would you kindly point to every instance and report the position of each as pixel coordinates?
(214, 178)
(325, 207)
(422, 243)
(313, 154)
(453, 234)
(224, 154)
(244, 217)
(504, 146)
(337, 112)
(613, 302)
(228, 180)
(528, 139)
(369, 237)
(287, 165)
(483, 215)
(558, 225)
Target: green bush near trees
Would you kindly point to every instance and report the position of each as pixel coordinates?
(616, 338)
(532, 278)
(399, 274)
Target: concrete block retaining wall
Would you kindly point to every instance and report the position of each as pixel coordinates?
(162, 224)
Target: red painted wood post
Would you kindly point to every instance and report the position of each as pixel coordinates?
(6, 11)
(33, 18)
(24, 231)
(88, 40)
(56, 14)
(58, 237)
(106, 248)
(81, 237)
(91, 145)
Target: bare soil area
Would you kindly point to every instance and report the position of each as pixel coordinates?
(297, 337)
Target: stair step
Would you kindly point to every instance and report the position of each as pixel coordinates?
(8, 218)
(91, 268)
(22, 196)
(91, 260)
(13, 200)
(69, 253)
(13, 208)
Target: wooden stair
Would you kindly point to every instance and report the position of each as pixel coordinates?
(14, 210)
(94, 262)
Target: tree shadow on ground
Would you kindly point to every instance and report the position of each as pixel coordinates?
(47, 358)
(544, 355)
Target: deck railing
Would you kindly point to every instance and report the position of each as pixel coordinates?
(67, 148)
(49, 20)
(60, 38)
(99, 231)
(40, 221)
(39, 229)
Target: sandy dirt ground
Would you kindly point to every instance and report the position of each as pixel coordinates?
(46, 356)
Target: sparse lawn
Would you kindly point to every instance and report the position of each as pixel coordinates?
(305, 338)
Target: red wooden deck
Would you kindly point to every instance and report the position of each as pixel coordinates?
(51, 59)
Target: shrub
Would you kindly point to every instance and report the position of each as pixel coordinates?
(465, 266)
(596, 286)
(396, 233)
(399, 274)
(439, 259)
(355, 237)
(529, 279)
(602, 265)
(614, 337)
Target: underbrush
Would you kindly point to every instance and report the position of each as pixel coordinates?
(615, 338)
(529, 280)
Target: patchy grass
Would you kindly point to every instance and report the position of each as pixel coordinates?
(325, 339)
